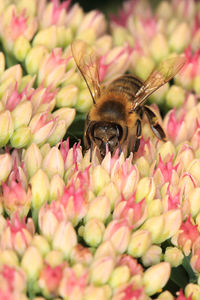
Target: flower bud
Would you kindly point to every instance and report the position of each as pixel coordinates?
(105, 249)
(2, 63)
(9, 257)
(32, 159)
(32, 262)
(21, 137)
(144, 67)
(40, 189)
(159, 96)
(64, 238)
(81, 254)
(53, 163)
(34, 58)
(159, 47)
(194, 168)
(155, 208)
(172, 223)
(101, 270)
(95, 20)
(22, 113)
(99, 208)
(175, 96)
(67, 96)
(164, 10)
(155, 277)
(155, 226)
(118, 232)
(196, 84)
(21, 48)
(41, 244)
(46, 37)
(143, 166)
(84, 101)
(194, 202)
(54, 258)
(139, 243)
(74, 17)
(121, 35)
(111, 192)
(6, 127)
(94, 292)
(192, 290)
(152, 256)
(165, 296)
(5, 166)
(99, 178)
(166, 150)
(56, 187)
(174, 256)
(119, 276)
(93, 232)
(145, 189)
(180, 37)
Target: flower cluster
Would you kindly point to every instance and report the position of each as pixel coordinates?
(73, 227)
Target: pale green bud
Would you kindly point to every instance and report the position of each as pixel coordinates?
(65, 238)
(121, 36)
(111, 192)
(159, 47)
(2, 63)
(67, 96)
(139, 243)
(99, 208)
(40, 187)
(93, 292)
(166, 150)
(155, 208)
(58, 133)
(196, 84)
(56, 187)
(155, 226)
(194, 197)
(9, 257)
(152, 256)
(21, 137)
(32, 159)
(21, 48)
(32, 262)
(46, 37)
(27, 80)
(88, 36)
(143, 166)
(175, 96)
(34, 58)
(103, 44)
(84, 101)
(119, 276)
(6, 127)
(53, 163)
(192, 290)
(41, 244)
(174, 256)
(67, 114)
(165, 296)
(146, 189)
(13, 73)
(93, 232)
(99, 178)
(54, 258)
(44, 149)
(30, 7)
(5, 166)
(144, 66)
(155, 277)
(180, 37)
(101, 270)
(64, 36)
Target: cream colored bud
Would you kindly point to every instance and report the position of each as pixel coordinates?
(139, 243)
(9, 257)
(40, 189)
(6, 127)
(56, 187)
(67, 96)
(5, 166)
(192, 290)
(99, 208)
(32, 262)
(119, 276)
(54, 258)
(101, 270)
(155, 226)
(155, 208)
(21, 137)
(175, 96)
(156, 277)
(93, 232)
(22, 113)
(180, 37)
(152, 256)
(146, 189)
(84, 101)
(53, 163)
(21, 48)
(34, 58)
(32, 159)
(174, 256)
(41, 244)
(99, 178)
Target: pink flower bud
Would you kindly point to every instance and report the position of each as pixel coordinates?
(16, 235)
(65, 238)
(118, 232)
(5, 166)
(175, 127)
(156, 277)
(105, 249)
(72, 285)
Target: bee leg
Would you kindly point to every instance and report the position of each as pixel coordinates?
(91, 149)
(154, 123)
(138, 136)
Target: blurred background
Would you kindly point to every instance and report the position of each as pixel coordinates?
(105, 6)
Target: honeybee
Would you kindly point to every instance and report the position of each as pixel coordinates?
(115, 120)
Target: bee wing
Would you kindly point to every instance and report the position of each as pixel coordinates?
(166, 70)
(87, 62)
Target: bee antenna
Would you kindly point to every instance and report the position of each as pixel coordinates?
(91, 148)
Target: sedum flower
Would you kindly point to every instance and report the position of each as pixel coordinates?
(152, 256)
(139, 243)
(5, 166)
(16, 235)
(175, 126)
(56, 187)
(93, 232)
(156, 277)
(21, 48)
(180, 37)
(34, 58)
(41, 244)
(97, 292)
(53, 163)
(21, 137)
(175, 96)
(67, 96)
(32, 262)
(119, 276)
(9, 257)
(101, 270)
(192, 290)
(32, 159)
(99, 208)
(81, 254)
(54, 258)
(174, 256)
(6, 127)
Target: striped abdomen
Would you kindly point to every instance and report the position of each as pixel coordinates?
(126, 84)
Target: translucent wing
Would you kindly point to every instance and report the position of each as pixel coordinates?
(166, 70)
(87, 62)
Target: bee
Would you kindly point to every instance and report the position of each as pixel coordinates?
(115, 120)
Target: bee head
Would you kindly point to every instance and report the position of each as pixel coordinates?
(106, 135)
